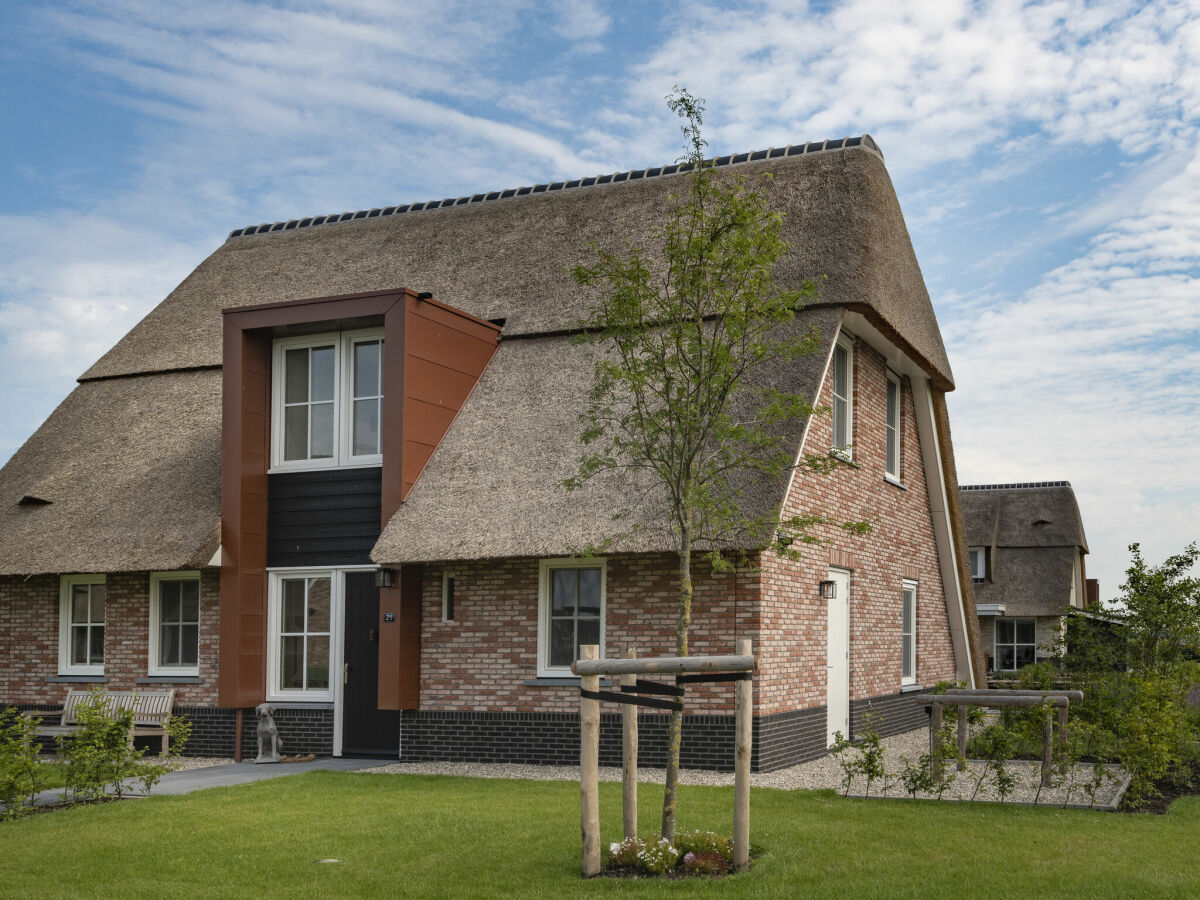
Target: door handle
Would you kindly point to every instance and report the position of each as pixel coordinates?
(345, 673)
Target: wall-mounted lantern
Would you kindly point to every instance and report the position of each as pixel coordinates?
(828, 590)
(385, 578)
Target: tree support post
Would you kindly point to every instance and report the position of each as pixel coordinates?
(629, 756)
(935, 741)
(962, 737)
(1047, 748)
(589, 764)
(744, 722)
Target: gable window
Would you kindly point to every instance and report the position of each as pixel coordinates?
(893, 427)
(570, 612)
(300, 649)
(978, 556)
(1016, 643)
(81, 625)
(843, 396)
(327, 400)
(908, 633)
(174, 623)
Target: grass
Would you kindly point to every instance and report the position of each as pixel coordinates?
(457, 837)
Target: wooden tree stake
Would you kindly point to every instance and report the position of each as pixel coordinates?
(935, 741)
(629, 757)
(962, 737)
(589, 764)
(1047, 748)
(744, 720)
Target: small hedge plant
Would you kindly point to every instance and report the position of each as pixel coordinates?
(693, 853)
(21, 774)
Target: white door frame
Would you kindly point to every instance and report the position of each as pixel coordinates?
(837, 691)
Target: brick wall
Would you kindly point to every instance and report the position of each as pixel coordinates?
(29, 625)
(901, 545)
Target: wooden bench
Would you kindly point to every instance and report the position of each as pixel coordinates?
(151, 709)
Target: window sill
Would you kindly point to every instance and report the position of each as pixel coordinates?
(556, 681)
(301, 704)
(81, 679)
(279, 469)
(170, 679)
(910, 688)
(843, 456)
(894, 482)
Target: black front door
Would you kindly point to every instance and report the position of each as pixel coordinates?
(366, 730)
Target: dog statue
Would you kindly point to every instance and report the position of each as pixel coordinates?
(268, 735)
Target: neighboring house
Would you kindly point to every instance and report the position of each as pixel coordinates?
(300, 480)
(1027, 550)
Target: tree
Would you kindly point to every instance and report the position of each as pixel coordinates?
(1162, 608)
(677, 393)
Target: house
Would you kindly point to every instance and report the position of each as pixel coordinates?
(1027, 552)
(326, 472)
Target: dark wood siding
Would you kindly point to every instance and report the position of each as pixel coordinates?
(328, 518)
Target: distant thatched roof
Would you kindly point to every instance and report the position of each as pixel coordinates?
(494, 487)
(1033, 533)
(130, 461)
(131, 472)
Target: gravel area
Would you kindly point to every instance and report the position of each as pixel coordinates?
(824, 773)
(187, 763)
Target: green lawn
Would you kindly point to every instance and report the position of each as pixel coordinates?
(441, 837)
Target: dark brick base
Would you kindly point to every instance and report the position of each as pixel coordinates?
(786, 739)
(300, 731)
(895, 714)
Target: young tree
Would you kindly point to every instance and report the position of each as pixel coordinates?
(678, 394)
(1162, 608)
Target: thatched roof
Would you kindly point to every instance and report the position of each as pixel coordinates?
(131, 472)
(494, 486)
(130, 460)
(508, 258)
(1033, 532)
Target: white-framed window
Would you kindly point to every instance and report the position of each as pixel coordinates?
(327, 400)
(301, 653)
(571, 604)
(843, 396)
(893, 426)
(81, 625)
(978, 557)
(908, 632)
(174, 623)
(447, 596)
(1016, 644)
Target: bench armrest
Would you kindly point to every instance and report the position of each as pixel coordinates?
(42, 713)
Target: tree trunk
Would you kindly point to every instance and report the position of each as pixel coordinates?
(675, 729)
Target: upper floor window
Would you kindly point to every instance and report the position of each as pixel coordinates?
(843, 396)
(81, 625)
(978, 557)
(893, 426)
(327, 400)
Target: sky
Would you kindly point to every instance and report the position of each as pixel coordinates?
(1045, 156)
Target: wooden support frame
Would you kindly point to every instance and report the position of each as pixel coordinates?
(589, 667)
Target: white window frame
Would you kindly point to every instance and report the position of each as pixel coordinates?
(978, 575)
(343, 400)
(1015, 643)
(66, 583)
(844, 342)
(545, 568)
(447, 613)
(908, 594)
(330, 694)
(892, 426)
(153, 667)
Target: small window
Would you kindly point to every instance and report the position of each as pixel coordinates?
(978, 557)
(81, 625)
(1016, 643)
(174, 623)
(893, 427)
(328, 401)
(447, 597)
(843, 396)
(908, 633)
(570, 612)
(302, 614)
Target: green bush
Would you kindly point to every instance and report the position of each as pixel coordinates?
(703, 843)
(21, 774)
(647, 857)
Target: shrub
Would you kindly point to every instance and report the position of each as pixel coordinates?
(650, 857)
(704, 843)
(21, 774)
(705, 864)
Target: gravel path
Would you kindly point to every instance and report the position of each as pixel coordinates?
(815, 775)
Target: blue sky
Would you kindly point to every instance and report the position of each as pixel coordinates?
(1045, 156)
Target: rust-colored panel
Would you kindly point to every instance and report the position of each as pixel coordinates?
(427, 422)
(435, 383)
(390, 604)
(409, 662)
(450, 347)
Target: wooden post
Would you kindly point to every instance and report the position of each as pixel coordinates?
(629, 757)
(1062, 737)
(589, 764)
(962, 737)
(935, 741)
(1047, 748)
(743, 726)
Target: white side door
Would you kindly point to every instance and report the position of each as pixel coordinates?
(837, 660)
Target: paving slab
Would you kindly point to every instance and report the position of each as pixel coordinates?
(186, 781)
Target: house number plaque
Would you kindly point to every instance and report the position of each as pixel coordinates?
(389, 617)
